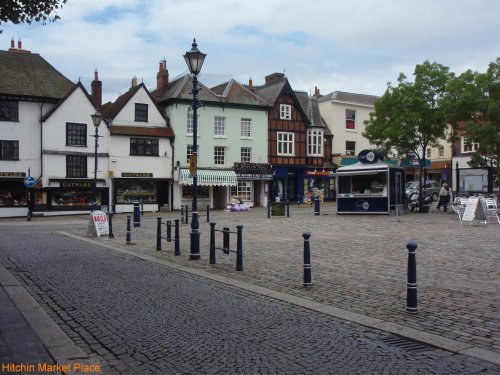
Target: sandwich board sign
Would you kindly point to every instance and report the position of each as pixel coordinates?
(98, 224)
(474, 211)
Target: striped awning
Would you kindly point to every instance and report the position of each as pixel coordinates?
(209, 177)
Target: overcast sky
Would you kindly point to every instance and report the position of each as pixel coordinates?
(356, 46)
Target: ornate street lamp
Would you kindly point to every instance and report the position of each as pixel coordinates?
(194, 60)
(96, 119)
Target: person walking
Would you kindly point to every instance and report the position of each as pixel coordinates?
(444, 197)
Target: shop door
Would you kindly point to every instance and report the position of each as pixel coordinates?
(220, 198)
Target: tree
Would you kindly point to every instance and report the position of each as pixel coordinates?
(28, 11)
(410, 117)
(474, 107)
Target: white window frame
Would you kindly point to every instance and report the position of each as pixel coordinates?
(246, 155)
(219, 155)
(285, 143)
(246, 128)
(245, 190)
(285, 112)
(468, 147)
(441, 151)
(348, 119)
(219, 126)
(350, 152)
(189, 152)
(314, 142)
(189, 124)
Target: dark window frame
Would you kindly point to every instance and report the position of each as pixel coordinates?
(9, 150)
(76, 166)
(9, 110)
(144, 147)
(76, 134)
(141, 112)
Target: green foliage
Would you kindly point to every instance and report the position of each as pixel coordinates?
(28, 11)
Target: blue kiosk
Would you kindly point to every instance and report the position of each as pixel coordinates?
(370, 186)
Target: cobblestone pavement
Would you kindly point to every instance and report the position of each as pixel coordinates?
(359, 263)
(142, 317)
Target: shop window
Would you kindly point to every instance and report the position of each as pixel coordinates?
(244, 190)
(76, 166)
(187, 191)
(144, 147)
(285, 111)
(76, 134)
(350, 119)
(9, 110)
(128, 192)
(246, 128)
(246, 154)
(350, 148)
(141, 112)
(9, 150)
(12, 193)
(71, 199)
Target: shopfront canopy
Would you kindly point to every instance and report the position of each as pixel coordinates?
(209, 177)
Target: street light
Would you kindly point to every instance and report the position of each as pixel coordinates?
(194, 60)
(96, 119)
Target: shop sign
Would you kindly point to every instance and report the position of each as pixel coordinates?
(13, 174)
(137, 175)
(251, 176)
(76, 184)
(253, 168)
(98, 224)
(317, 173)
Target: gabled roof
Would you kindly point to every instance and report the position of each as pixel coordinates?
(68, 94)
(30, 75)
(314, 116)
(272, 91)
(110, 110)
(181, 89)
(235, 93)
(350, 98)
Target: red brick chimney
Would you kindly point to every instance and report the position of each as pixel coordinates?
(96, 91)
(316, 92)
(12, 43)
(162, 77)
(19, 48)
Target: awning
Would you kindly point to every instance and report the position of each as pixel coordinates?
(209, 177)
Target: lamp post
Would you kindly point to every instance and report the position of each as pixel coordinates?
(194, 60)
(96, 119)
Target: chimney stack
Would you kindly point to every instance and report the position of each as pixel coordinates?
(316, 92)
(275, 77)
(250, 83)
(162, 77)
(19, 44)
(12, 43)
(134, 81)
(96, 91)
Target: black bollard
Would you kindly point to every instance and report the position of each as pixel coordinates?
(177, 250)
(239, 248)
(225, 240)
(137, 215)
(142, 208)
(128, 231)
(316, 206)
(169, 231)
(182, 214)
(212, 244)
(307, 260)
(287, 208)
(186, 218)
(158, 234)
(110, 218)
(269, 209)
(411, 291)
(208, 213)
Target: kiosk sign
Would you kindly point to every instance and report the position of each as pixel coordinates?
(98, 223)
(29, 181)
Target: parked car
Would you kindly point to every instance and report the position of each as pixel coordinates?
(431, 189)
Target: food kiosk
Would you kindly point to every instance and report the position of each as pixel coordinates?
(370, 186)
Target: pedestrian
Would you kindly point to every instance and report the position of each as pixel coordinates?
(444, 197)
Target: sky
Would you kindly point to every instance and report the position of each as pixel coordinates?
(356, 46)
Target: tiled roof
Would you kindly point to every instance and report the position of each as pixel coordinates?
(30, 75)
(235, 93)
(348, 97)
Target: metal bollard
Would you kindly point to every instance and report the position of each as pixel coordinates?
(212, 244)
(158, 234)
(316, 206)
(110, 218)
(142, 208)
(307, 260)
(177, 250)
(225, 240)
(411, 291)
(208, 213)
(169, 231)
(269, 209)
(239, 248)
(287, 208)
(128, 231)
(137, 215)
(186, 219)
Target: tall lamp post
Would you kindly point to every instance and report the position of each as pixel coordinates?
(194, 60)
(96, 119)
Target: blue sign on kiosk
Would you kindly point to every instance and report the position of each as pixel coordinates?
(29, 181)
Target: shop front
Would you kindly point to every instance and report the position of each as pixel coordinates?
(213, 187)
(13, 194)
(320, 183)
(370, 186)
(152, 193)
(288, 184)
(252, 183)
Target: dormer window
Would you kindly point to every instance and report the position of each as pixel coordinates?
(285, 111)
(141, 112)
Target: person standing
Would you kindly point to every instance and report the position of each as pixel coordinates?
(444, 197)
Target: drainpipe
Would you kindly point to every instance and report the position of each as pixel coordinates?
(41, 140)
